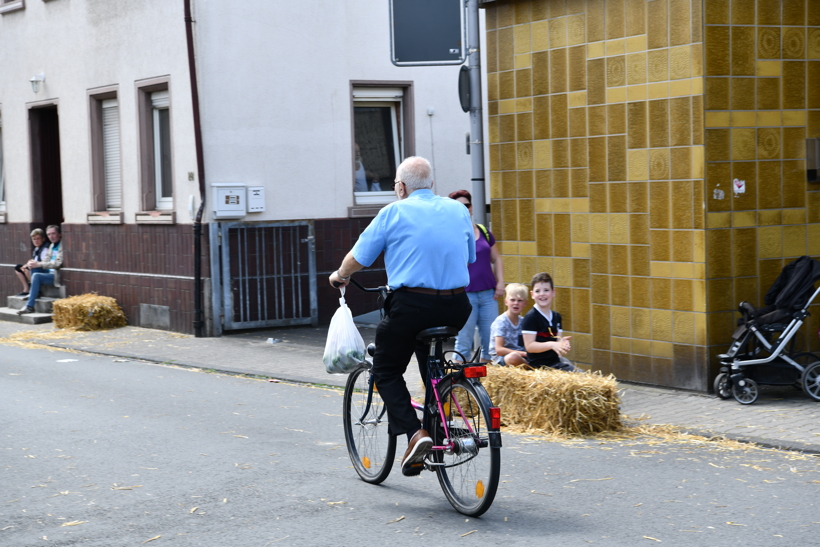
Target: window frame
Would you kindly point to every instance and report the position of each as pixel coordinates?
(102, 213)
(2, 175)
(160, 100)
(369, 205)
(7, 6)
(147, 152)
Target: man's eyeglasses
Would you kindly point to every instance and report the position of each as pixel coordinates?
(396, 183)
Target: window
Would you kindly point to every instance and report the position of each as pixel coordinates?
(162, 150)
(11, 5)
(2, 171)
(156, 149)
(111, 153)
(382, 118)
(106, 170)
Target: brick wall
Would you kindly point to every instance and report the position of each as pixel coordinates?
(168, 250)
(334, 238)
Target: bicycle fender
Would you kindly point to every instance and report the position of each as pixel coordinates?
(495, 439)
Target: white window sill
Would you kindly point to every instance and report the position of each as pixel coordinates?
(12, 7)
(2, 217)
(105, 217)
(374, 198)
(156, 217)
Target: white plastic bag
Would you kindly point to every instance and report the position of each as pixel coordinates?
(345, 349)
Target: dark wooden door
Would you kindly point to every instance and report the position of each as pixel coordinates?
(46, 177)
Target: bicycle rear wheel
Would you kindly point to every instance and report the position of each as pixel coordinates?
(469, 472)
(372, 449)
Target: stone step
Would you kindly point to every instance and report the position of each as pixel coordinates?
(51, 291)
(8, 314)
(41, 305)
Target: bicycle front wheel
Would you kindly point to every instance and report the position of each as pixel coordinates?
(372, 449)
(468, 471)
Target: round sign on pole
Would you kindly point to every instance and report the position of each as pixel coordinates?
(464, 88)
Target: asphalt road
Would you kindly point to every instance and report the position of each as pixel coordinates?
(104, 453)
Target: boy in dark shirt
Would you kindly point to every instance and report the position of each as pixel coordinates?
(541, 328)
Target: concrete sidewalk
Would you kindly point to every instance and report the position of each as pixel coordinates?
(783, 418)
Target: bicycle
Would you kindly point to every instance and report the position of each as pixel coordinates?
(457, 413)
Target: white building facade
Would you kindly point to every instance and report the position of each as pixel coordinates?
(298, 100)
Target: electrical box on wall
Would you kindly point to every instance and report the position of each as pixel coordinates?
(229, 200)
(813, 160)
(256, 199)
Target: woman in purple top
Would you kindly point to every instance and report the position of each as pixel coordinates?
(486, 285)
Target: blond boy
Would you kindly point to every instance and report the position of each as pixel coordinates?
(506, 346)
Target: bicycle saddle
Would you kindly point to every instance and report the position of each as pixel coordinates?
(436, 333)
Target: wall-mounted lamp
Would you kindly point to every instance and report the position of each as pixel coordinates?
(35, 82)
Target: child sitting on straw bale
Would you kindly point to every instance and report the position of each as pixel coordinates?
(541, 328)
(506, 345)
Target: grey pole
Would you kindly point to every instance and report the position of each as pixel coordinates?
(476, 112)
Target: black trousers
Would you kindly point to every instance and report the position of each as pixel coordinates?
(407, 314)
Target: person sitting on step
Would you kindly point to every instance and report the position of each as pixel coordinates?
(52, 262)
(24, 273)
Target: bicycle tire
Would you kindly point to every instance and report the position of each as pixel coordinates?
(371, 448)
(469, 475)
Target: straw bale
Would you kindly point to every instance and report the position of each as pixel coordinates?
(88, 312)
(555, 401)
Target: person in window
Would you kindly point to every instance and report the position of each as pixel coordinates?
(24, 273)
(486, 286)
(365, 181)
(52, 261)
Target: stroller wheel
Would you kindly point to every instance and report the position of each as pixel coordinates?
(722, 388)
(747, 393)
(811, 381)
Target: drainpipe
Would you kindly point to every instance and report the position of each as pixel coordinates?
(200, 166)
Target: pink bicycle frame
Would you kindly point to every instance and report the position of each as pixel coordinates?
(418, 406)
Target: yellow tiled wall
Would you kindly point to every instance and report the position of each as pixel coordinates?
(611, 124)
(762, 100)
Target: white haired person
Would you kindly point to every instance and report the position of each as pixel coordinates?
(427, 241)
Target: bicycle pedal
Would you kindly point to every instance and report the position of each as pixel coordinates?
(413, 470)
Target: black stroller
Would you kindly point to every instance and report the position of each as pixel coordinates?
(765, 350)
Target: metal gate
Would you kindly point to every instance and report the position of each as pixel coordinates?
(267, 274)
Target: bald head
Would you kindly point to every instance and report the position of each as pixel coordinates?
(416, 173)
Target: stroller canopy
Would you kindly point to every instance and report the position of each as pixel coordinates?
(795, 284)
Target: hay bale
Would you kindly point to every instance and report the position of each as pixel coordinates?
(555, 401)
(88, 312)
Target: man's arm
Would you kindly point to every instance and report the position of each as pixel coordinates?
(561, 346)
(55, 260)
(501, 349)
(498, 270)
(341, 277)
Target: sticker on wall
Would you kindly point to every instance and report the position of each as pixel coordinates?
(739, 186)
(718, 193)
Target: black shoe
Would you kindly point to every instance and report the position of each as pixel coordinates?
(27, 309)
(25, 293)
(413, 462)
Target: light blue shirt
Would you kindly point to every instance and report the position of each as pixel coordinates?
(427, 242)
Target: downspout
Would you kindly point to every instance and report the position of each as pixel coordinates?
(200, 166)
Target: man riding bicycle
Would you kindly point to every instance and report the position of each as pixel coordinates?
(427, 242)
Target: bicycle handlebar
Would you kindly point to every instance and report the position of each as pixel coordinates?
(383, 291)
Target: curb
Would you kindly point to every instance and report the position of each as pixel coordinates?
(806, 448)
(223, 370)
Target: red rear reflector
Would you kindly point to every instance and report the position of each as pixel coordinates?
(475, 372)
(495, 417)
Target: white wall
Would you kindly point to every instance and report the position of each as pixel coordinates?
(80, 45)
(275, 100)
